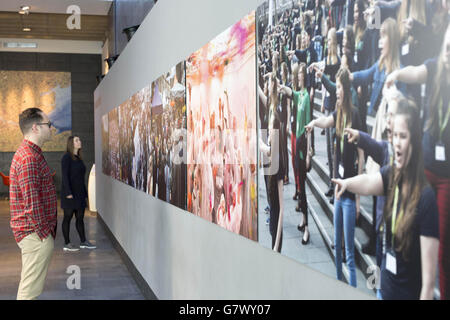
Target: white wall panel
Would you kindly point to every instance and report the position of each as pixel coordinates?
(182, 256)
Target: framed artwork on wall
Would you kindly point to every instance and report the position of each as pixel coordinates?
(221, 130)
(49, 91)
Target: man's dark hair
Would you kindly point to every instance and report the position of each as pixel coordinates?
(29, 117)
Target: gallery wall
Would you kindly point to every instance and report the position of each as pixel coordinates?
(83, 69)
(180, 255)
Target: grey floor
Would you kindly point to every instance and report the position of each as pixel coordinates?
(103, 273)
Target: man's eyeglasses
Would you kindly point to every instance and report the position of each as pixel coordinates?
(49, 124)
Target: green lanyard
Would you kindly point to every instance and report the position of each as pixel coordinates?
(343, 136)
(300, 108)
(442, 121)
(394, 216)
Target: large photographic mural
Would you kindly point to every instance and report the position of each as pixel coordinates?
(233, 135)
(194, 148)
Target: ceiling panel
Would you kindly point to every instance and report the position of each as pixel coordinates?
(89, 7)
(52, 26)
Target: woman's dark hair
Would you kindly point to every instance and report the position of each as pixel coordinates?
(412, 180)
(70, 148)
(360, 25)
(350, 47)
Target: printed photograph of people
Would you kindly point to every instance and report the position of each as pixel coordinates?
(362, 182)
(221, 125)
(105, 146)
(125, 142)
(135, 126)
(167, 139)
(114, 146)
(285, 92)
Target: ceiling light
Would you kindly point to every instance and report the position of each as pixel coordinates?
(24, 10)
(26, 29)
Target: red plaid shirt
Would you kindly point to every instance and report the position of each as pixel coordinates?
(32, 194)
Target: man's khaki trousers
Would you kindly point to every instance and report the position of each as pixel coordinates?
(36, 256)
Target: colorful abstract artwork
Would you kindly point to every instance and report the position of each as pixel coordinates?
(49, 91)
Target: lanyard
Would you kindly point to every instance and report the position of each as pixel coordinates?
(394, 216)
(302, 96)
(391, 154)
(443, 121)
(300, 108)
(343, 136)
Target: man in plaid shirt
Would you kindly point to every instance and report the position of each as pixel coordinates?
(33, 203)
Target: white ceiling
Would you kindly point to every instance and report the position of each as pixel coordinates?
(91, 7)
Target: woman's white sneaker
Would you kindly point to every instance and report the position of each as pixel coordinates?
(71, 247)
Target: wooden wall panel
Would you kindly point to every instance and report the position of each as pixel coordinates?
(83, 68)
(52, 26)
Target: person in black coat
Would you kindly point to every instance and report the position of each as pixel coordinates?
(73, 193)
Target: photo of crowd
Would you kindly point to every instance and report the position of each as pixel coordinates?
(327, 115)
(221, 130)
(114, 146)
(105, 146)
(135, 126)
(373, 78)
(167, 178)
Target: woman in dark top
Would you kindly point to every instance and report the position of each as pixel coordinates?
(361, 57)
(362, 41)
(332, 65)
(283, 111)
(413, 24)
(293, 127)
(319, 14)
(275, 172)
(348, 47)
(415, 31)
(73, 193)
(436, 142)
(411, 234)
(346, 209)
